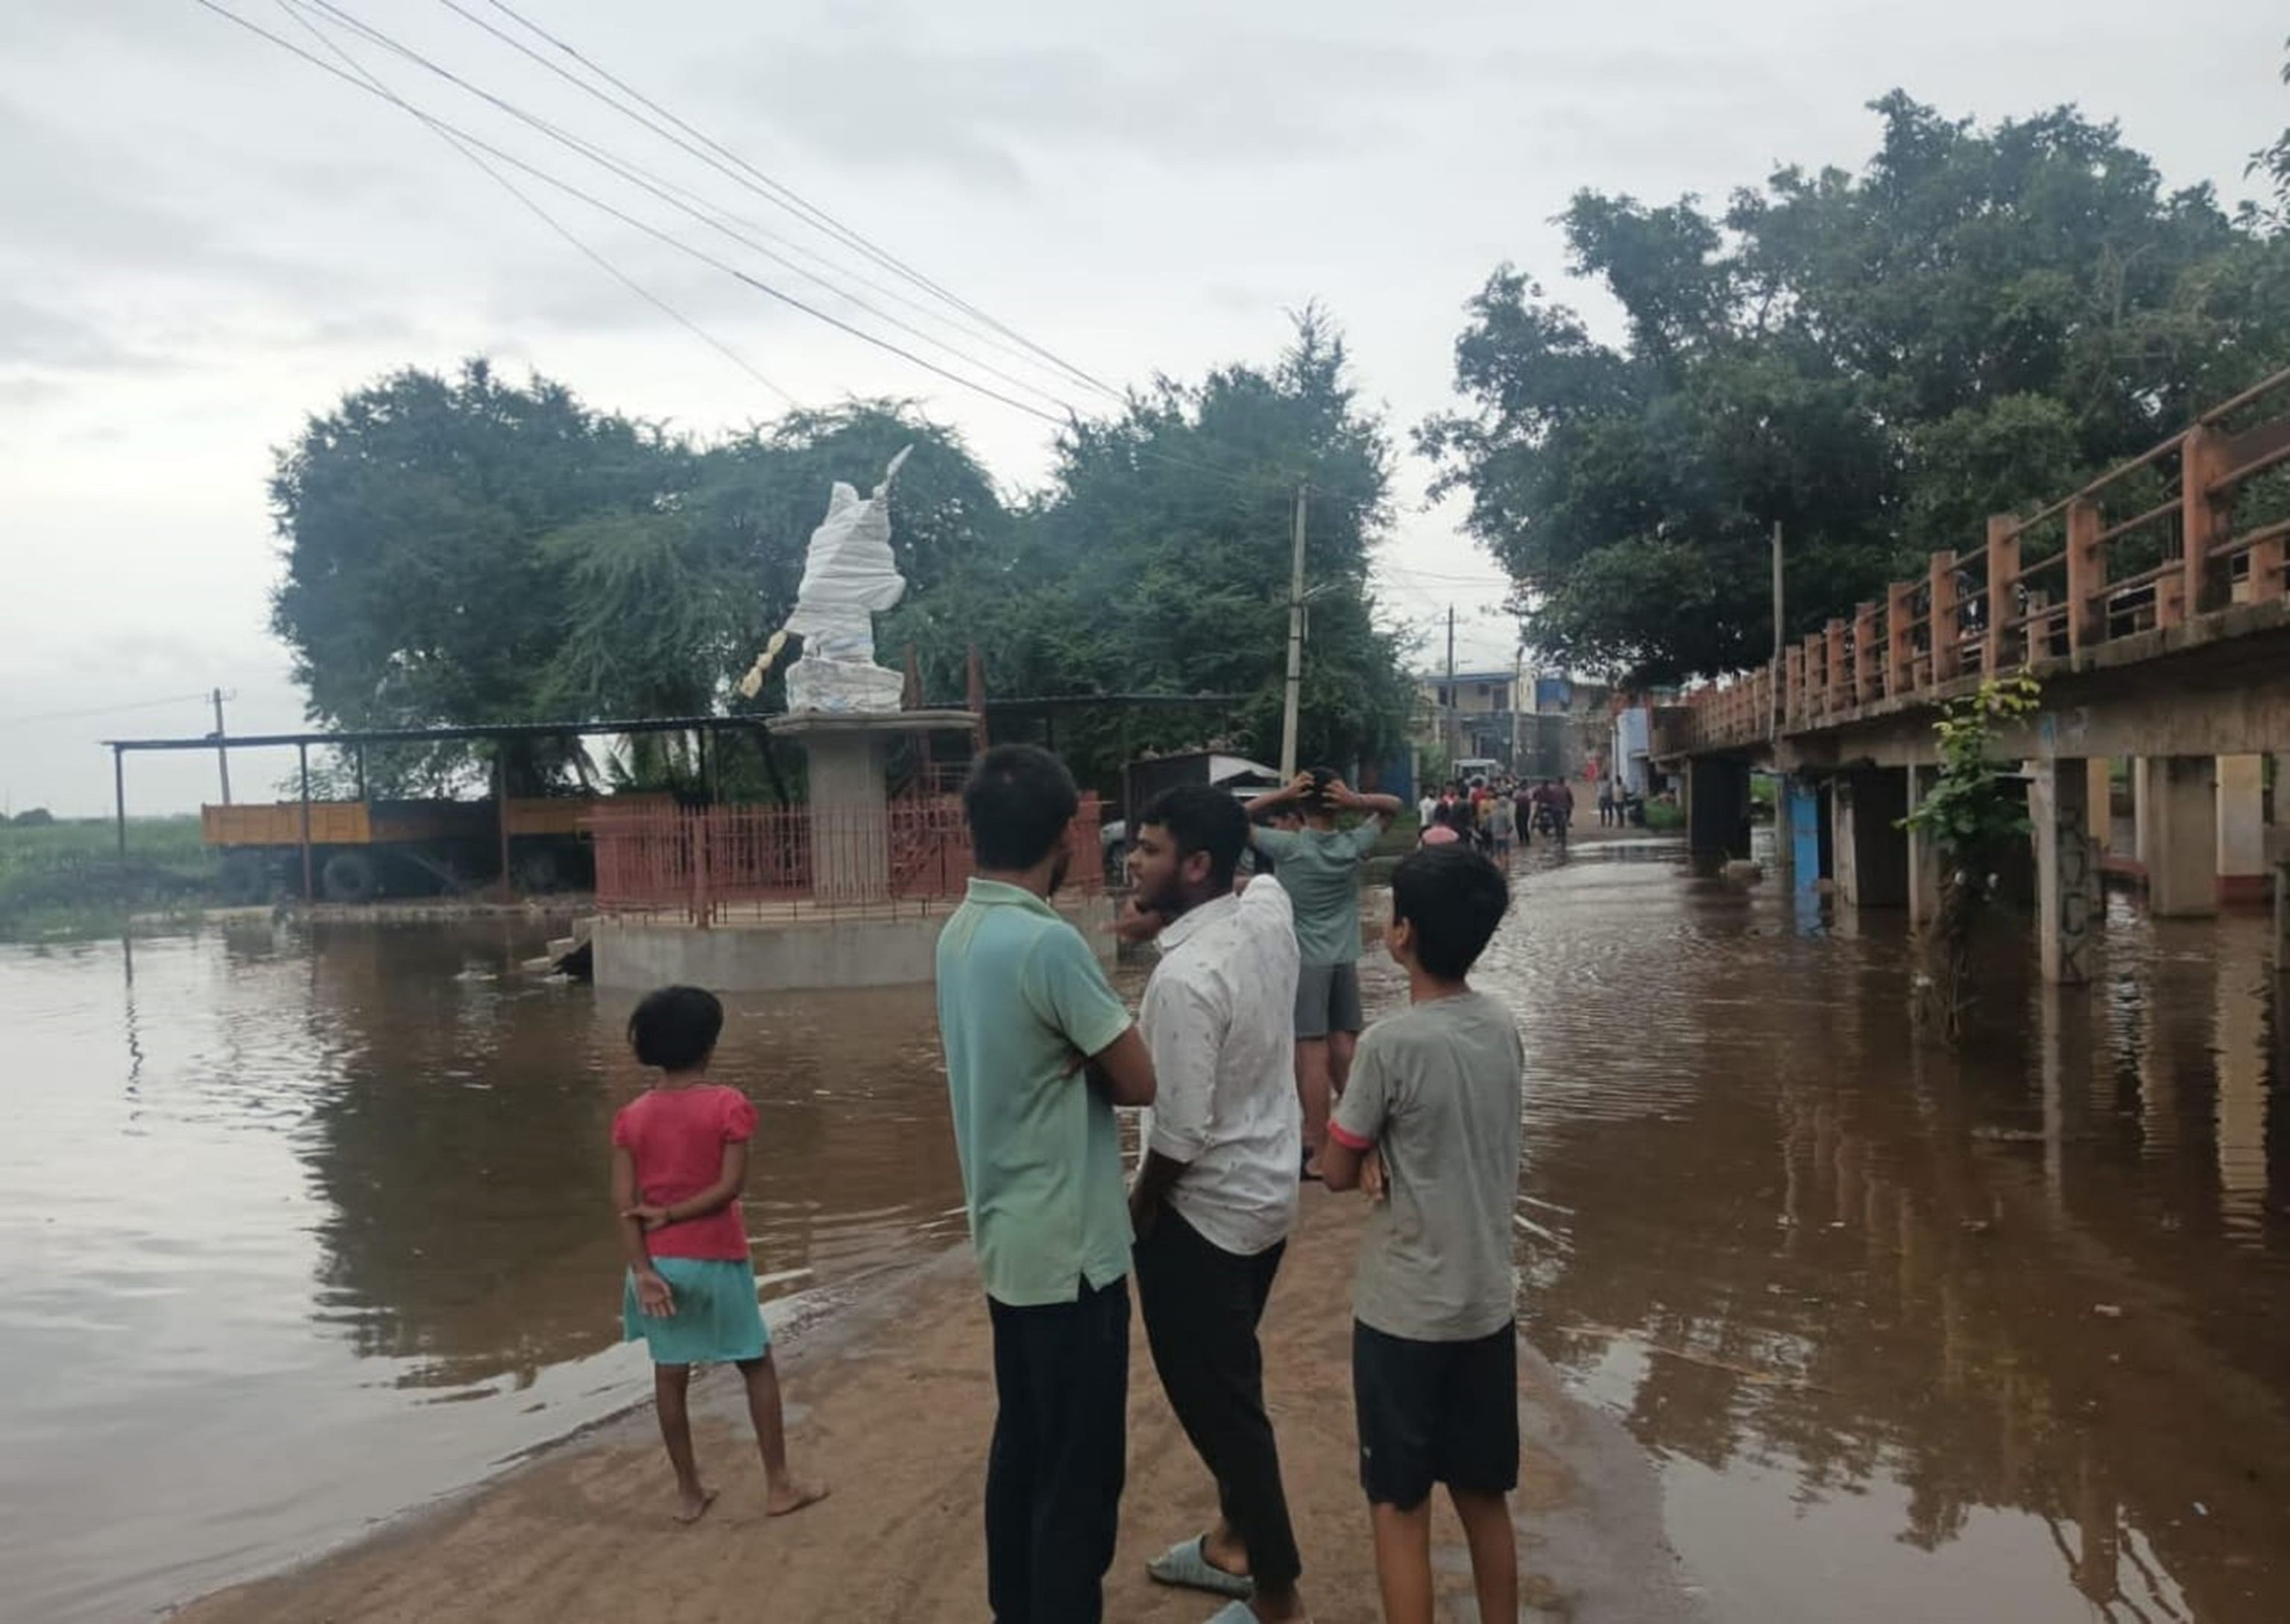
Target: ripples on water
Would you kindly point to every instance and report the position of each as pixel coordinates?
(2001, 1334)
(299, 1229)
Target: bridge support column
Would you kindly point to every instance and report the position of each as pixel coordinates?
(1872, 850)
(2242, 876)
(2067, 869)
(2181, 835)
(2101, 776)
(1923, 855)
(1716, 810)
(2143, 772)
(1784, 825)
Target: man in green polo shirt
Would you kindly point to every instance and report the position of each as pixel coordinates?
(1022, 1003)
(1320, 867)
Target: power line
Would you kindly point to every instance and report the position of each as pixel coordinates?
(106, 710)
(621, 215)
(594, 255)
(662, 190)
(784, 195)
(931, 313)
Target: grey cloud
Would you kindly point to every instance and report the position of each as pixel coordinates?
(980, 112)
(37, 336)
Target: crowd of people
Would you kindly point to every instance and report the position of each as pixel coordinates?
(1497, 816)
(1259, 1073)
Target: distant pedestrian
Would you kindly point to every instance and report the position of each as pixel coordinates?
(1605, 803)
(1502, 824)
(1442, 830)
(1023, 1003)
(1425, 808)
(679, 1163)
(1431, 1128)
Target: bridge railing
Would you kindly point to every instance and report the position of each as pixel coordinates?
(2193, 526)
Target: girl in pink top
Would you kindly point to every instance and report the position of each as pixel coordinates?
(679, 1160)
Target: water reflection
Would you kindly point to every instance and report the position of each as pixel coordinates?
(2020, 1311)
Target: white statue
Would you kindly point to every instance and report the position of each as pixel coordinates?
(849, 577)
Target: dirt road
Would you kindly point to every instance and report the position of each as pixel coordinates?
(893, 1407)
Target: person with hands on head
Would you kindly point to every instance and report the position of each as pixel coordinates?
(1430, 1127)
(679, 1163)
(1320, 865)
(1215, 1195)
(1020, 996)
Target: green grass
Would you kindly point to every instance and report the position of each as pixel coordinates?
(67, 880)
(1664, 815)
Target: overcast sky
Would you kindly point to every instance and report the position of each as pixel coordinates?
(206, 238)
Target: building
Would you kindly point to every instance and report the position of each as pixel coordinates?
(1544, 726)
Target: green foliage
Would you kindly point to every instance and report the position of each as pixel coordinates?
(466, 550)
(1977, 322)
(34, 818)
(62, 879)
(1970, 813)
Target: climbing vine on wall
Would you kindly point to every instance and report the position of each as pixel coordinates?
(1971, 815)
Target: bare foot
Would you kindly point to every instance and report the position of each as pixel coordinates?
(793, 1496)
(695, 1505)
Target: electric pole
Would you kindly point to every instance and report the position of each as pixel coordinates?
(1518, 680)
(223, 751)
(1779, 634)
(1295, 648)
(1453, 730)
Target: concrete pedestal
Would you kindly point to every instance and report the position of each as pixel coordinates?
(2242, 874)
(849, 801)
(1872, 848)
(2067, 870)
(2180, 835)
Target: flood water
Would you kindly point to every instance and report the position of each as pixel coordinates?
(299, 1228)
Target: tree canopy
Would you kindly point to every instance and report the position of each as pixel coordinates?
(465, 550)
(1978, 321)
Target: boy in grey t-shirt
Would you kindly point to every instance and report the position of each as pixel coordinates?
(1430, 1126)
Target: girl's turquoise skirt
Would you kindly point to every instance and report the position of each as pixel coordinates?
(715, 1322)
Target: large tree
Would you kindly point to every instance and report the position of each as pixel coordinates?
(1158, 562)
(1977, 321)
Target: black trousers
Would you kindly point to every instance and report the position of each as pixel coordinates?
(1201, 1306)
(1055, 1473)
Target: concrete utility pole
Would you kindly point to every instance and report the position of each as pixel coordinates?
(1295, 648)
(1781, 636)
(1452, 732)
(223, 751)
(1518, 680)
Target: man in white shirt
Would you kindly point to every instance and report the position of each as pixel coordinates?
(1216, 1190)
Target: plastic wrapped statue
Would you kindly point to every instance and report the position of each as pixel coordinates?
(849, 577)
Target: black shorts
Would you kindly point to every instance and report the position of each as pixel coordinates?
(1435, 1412)
(1327, 1000)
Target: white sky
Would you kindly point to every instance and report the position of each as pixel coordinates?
(206, 239)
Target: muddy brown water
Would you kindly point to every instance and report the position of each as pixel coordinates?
(300, 1229)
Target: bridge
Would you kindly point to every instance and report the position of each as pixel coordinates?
(2152, 606)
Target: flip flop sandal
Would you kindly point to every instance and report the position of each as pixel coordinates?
(1183, 1563)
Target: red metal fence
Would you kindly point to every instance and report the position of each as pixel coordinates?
(2049, 586)
(710, 863)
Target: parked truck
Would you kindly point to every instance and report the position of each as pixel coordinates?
(360, 850)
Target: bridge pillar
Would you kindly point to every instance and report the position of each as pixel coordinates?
(2242, 876)
(2100, 772)
(2179, 838)
(2143, 772)
(1872, 848)
(1716, 810)
(2067, 870)
(1923, 855)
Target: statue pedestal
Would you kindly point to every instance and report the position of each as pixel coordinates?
(850, 804)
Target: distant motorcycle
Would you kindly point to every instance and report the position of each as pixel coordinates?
(1546, 821)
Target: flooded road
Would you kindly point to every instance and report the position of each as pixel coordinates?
(301, 1229)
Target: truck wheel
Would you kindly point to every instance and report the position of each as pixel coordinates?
(347, 877)
(244, 879)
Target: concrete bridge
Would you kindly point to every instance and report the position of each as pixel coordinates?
(2150, 605)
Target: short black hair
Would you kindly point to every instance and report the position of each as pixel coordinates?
(1316, 796)
(1202, 819)
(676, 1028)
(1019, 799)
(1454, 898)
